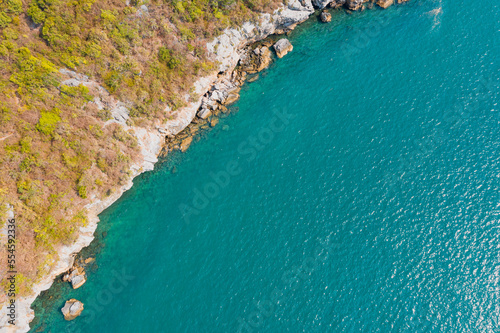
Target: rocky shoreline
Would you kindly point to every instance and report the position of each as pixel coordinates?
(237, 56)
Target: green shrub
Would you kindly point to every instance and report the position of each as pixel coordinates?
(101, 164)
(104, 114)
(112, 80)
(167, 57)
(10, 33)
(79, 91)
(48, 121)
(15, 6)
(33, 73)
(36, 14)
(25, 144)
(82, 192)
(28, 162)
(31, 193)
(4, 115)
(4, 19)
(186, 33)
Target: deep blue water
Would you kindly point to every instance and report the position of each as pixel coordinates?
(355, 188)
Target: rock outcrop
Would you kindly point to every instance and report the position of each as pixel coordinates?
(256, 60)
(76, 277)
(224, 91)
(282, 47)
(72, 309)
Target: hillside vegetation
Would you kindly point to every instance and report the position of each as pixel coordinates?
(56, 152)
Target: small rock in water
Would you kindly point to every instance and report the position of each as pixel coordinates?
(225, 127)
(282, 47)
(174, 169)
(72, 309)
(325, 17)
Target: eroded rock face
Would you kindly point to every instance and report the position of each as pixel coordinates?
(72, 309)
(282, 47)
(325, 17)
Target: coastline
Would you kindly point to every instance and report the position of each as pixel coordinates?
(227, 50)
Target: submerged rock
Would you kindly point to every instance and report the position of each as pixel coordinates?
(325, 17)
(89, 260)
(253, 78)
(214, 122)
(282, 47)
(231, 98)
(72, 309)
(186, 143)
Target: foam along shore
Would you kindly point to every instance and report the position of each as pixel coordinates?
(215, 89)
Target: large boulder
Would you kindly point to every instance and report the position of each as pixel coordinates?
(204, 113)
(78, 281)
(282, 47)
(385, 3)
(72, 309)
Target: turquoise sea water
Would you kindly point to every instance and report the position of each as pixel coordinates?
(355, 188)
